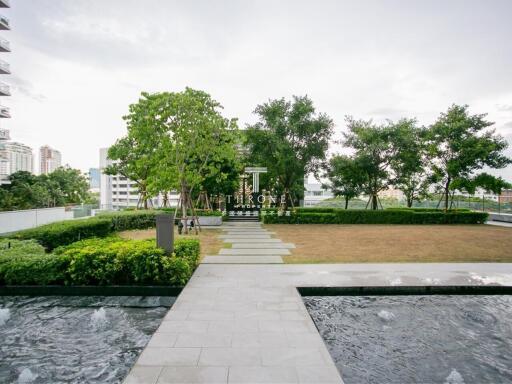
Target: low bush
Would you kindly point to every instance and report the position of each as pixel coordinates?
(61, 233)
(105, 261)
(398, 216)
(199, 212)
(126, 220)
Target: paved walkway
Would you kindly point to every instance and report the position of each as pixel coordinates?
(236, 323)
(250, 244)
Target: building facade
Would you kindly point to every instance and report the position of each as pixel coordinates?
(18, 156)
(5, 163)
(314, 193)
(118, 192)
(49, 160)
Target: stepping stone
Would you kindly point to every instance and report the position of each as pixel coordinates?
(261, 245)
(244, 237)
(234, 240)
(242, 260)
(253, 252)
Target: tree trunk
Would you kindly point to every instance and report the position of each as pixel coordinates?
(346, 202)
(447, 193)
(375, 202)
(166, 199)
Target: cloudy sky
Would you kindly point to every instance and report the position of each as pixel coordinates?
(77, 64)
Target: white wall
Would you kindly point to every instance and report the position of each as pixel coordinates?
(11, 221)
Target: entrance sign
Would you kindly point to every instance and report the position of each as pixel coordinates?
(255, 176)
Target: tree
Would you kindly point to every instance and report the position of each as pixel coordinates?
(345, 177)
(135, 156)
(72, 183)
(291, 140)
(409, 165)
(461, 145)
(374, 153)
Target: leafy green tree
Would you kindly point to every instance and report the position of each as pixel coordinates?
(291, 140)
(410, 163)
(72, 183)
(345, 177)
(461, 145)
(374, 153)
(135, 156)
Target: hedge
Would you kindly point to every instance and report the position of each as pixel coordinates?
(61, 233)
(126, 220)
(107, 261)
(199, 212)
(397, 216)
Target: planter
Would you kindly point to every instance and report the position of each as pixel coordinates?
(210, 221)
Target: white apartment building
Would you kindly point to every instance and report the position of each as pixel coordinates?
(314, 193)
(18, 156)
(117, 192)
(49, 160)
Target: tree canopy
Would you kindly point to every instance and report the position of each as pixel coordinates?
(291, 139)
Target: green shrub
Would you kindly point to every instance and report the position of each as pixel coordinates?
(34, 270)
(199, 212)
(60, 233)
(188, 249)
(19, 248)
(126, 220)
(392, 216)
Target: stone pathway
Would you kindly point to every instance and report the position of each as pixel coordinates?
(250, 244)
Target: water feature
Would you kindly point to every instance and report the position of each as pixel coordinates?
(417, 339)
(85, 339)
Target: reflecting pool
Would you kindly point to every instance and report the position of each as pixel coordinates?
(85, 339)
(417, 339)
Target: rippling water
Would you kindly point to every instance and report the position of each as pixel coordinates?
(75, 339)
(417, 339)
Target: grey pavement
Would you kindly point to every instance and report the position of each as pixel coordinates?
(247, 323)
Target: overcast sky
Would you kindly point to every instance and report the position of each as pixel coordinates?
(77, 64)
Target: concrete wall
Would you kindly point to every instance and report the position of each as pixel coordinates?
(506, 217)
(11, 221)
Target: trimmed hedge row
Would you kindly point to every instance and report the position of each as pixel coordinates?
(61, 233)
(107, 261)
(379, 217)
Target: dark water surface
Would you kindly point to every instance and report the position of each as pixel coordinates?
(417, 339)
(75, 339)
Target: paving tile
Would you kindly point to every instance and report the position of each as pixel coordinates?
(195, 340)
(319, 374)
(242, 260)
(140, 374)
(179, 326)
(176, 314)
(196, 375)
(169, 356)
(230, 357)
(254, 375)
(253, 251)
(211, 315)
(162, 339)
(233, 326)
(260, 340)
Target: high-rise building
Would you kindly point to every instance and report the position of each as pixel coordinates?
(18, 155)
(94, 179)
(6, 166)
(49, 160)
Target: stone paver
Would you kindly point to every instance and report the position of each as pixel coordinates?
(246, 251)
(240, 323)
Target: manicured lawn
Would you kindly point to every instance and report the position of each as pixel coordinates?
(395, 243)
(210, 243)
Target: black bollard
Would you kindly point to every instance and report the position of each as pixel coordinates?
(165, 232)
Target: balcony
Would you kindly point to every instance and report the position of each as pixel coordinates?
(5, 4)
(4, 23)
(5, 46)
(5, 68)
(5, 113)
(5, 90)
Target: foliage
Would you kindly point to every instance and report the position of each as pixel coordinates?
(373, 155)
(291, 140)
(410, 162)
(345, 177)
(461, 145)
(60, 233)
(18, 248)
(126, 220)
(106, 261)
(391, 216)
(60, 187)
